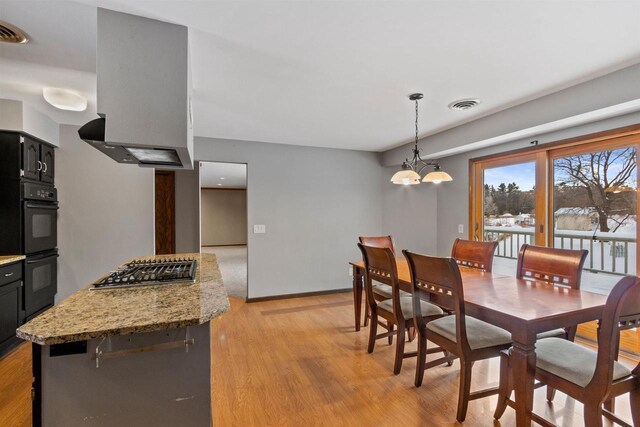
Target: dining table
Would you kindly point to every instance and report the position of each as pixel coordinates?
(523, 307)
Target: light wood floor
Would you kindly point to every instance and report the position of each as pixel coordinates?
(300, 362)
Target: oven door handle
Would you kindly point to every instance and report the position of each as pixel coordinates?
(39, 206)
(41, 258)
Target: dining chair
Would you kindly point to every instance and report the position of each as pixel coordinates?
(398, 311)
(381, 291)
(466, 337)
(561, 267)
(594, 378)
(474, 254)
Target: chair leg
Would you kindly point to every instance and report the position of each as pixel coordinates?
(551, 393)
(367, 313)
(422, 358)
(593, 414)
(634, 399)
(373, 331)
(399, 350)
(411, 333)
(505, 386)
(391, 327)
(447, 354)
(465, 389)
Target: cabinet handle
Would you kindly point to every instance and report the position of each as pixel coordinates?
(45, 168)
(8, 274)
(39, 165)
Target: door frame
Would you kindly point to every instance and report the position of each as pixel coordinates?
(543, 156)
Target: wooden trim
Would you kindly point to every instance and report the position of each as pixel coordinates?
(299, 295)
(221, 246)
(578, 140)
(222, 189)
(542, 198)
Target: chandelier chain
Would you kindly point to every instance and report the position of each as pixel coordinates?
(416, 123)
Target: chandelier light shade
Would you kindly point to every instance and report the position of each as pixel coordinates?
(411, 172)
(406, 177)
(437, 176)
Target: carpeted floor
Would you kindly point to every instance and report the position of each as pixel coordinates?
(232, 261)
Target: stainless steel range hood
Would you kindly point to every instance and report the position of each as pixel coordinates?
(144, 92)
(94, 131)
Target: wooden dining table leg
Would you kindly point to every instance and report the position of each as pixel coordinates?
(523, 365)
(357, 295)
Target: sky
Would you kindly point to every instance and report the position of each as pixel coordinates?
(523, 174)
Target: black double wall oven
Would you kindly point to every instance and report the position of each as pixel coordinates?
(28, 216)
(40, 214)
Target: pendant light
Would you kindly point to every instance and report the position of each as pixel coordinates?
(411, 170)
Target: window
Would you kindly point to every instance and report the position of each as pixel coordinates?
(579, 194)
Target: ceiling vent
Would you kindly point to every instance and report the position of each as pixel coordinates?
(464, 104)
(12, 34)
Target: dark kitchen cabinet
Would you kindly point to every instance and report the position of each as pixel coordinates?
(31, 159)
(11, 312)
(25, 157)
(48, 165)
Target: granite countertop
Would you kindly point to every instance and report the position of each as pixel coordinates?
(89, 314)
(8, 259)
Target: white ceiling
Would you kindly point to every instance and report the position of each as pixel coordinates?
(223, 175)
(61, 53)
(337, 73)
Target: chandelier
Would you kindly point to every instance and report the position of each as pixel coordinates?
(411, 171)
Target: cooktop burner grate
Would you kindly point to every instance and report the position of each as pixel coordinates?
(149, 272)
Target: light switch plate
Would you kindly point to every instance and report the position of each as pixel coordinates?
(461, 228)
(259, 228)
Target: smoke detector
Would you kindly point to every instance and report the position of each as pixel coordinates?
(12, 34)
(464, 104)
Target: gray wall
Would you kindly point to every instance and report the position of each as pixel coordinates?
(106, 212)
(453, 197)
(188, 210)
(314, 202)
(409, 214)
(224, 217)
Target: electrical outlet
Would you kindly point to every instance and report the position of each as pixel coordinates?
(259, 229)
(461, 228)
(350, 271)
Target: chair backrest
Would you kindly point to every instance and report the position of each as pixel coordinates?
(379, 242)
(621, 312)
(380, 265)
(474, 254)
(558, 266)
(440, 279)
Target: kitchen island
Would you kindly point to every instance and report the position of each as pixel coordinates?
(131, 356)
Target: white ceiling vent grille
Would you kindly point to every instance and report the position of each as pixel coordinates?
(464, 104)
(12, 34)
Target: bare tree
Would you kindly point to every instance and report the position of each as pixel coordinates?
(601, 175)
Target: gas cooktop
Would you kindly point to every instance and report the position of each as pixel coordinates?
(156, 271)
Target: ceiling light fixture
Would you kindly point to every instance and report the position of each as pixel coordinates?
(222, 177)
(64, 99)
(411, 171)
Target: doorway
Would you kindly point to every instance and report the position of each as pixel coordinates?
(223, 221)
